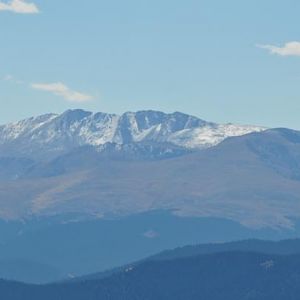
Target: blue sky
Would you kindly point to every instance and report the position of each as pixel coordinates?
(224, 61)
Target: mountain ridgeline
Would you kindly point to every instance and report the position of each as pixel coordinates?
(236, 273)
(50, 135)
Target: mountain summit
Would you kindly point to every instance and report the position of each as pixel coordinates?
(54, 134)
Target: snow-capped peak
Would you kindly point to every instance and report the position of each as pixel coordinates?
(56, 133)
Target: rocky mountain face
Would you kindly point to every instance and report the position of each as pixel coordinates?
(47, 136)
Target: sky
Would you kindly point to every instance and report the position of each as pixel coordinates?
(223, 61)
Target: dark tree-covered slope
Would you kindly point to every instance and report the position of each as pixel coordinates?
(230, 275)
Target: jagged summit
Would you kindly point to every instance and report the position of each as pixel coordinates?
(56, 133)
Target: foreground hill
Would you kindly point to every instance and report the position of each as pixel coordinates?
(229, 275)
(283, 247)
(50, 249)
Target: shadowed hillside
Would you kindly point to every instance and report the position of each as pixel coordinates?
(231, 275)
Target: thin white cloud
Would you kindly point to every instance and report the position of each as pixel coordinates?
(12, 79)
(8, 78)
(289, 49)
(19, 7)
(60, 89)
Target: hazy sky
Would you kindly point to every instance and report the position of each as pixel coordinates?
(225, 61)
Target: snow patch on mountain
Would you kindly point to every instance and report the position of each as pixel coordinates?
(74, 128)
(208, 136)
(15, 130)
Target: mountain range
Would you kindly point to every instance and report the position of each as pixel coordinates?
(104, 165)
(252, 179)
(50, 135)
(95, 184)
(69, 163)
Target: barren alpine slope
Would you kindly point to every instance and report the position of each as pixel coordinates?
(102, 170)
